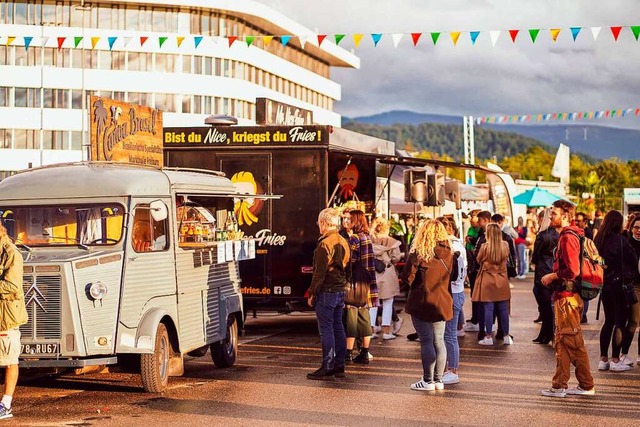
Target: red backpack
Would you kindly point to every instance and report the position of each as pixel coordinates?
(591, 278)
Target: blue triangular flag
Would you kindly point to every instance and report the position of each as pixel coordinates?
(285, 40)
(376, 38)
(474, 35)
(112, 40)
(27, 42)
(575, 31)
(197, 40)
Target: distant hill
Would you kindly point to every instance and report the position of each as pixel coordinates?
(599, 142)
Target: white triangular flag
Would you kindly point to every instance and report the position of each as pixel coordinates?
(396, 39)
(127, 40)
(595, 31)
(306, 39)
(494, 36)
(560, 167)
(43, 41)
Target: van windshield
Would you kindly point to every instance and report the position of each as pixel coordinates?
(64, 225)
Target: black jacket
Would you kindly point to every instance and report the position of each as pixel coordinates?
(620, 259)
(482, 238)
(542, 256)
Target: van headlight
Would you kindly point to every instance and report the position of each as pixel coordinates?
(97, 290)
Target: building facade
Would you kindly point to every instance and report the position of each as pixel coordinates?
(53, 54)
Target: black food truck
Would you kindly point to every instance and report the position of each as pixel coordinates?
(312, 167)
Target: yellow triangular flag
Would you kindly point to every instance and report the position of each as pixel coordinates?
(554, 33)
(94, 42)
(357, 38)
(455, 35)
(266, 39)
(10, 40)
(179, 40)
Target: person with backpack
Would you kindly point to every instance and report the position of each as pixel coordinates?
(567, 303)
(622, 270)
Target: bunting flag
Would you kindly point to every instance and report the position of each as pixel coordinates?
(474, 36)
(454, 37)
(376, 37)
(533, 33)
(581, 115)
(357, 38)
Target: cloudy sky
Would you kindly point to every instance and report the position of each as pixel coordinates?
(520, 78)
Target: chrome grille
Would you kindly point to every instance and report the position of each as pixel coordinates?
(43, 297)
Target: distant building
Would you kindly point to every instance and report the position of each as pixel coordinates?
(43, 116)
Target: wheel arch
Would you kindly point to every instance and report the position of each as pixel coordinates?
(146, 336)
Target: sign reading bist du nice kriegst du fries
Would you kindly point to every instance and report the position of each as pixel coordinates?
(123, 132)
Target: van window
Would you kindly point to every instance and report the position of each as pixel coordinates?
(148, 235)
(64, 225)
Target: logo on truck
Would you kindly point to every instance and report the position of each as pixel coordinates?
(33, 295)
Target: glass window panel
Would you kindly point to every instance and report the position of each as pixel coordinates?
(76, 140)
(33, 100)
(206, 24)
(20, 138)
(186, 64)
(105, 60)
(77, 16)
(161, 63)
(62, 98)
(197, 104)
(186, 103)
(20, 94)
(197, 64)
(4, 54)
(118, 96)
(32, 140)
(4, 96)
(208, 65)
(158, 20)
(76, 99)
(48, 98)
(131, 18)
(223, 27)
(207, 105)
(133, 61)
(77, 59)
(47, 139)
(20, 17)
(218, 70)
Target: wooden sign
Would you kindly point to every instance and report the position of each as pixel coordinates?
(270, 112)
(123, 132)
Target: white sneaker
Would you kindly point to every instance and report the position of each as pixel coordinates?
(618, 367)
(374, 336)
(370, 356)
(397, 325)
(579, 391)
(439, 385)
(450, 378)
(461, 333)
(471, 327)
(603, 366)
(486, 341)
(554, 392)
(422, 385)
(508, 340)
(377, 329)
(625, 360)
(388, 337)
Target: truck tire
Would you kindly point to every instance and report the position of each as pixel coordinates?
(154, 368)
(224, 352)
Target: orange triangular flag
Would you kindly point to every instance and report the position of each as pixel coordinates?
(554, 33)
(143, 40)
(232, 39)
(179, 40)
(454, 37)
(266, 39)
(94, 42)
(357, 38)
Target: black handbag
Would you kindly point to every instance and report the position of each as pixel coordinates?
(511, 266)
(379, 265)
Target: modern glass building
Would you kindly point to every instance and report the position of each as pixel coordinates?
(121, 55)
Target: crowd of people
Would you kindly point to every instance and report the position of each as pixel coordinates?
(355, 282)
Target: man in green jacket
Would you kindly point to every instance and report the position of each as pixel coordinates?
(13, 313)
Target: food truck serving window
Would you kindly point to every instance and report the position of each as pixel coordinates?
(148, 235)
(205, 219)
(64, 225)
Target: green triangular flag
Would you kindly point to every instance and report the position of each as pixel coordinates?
(636, 31)
(161, 40)
(77, 40)
(434, 37)
(534, 34)
(249, 39)
(339, 37)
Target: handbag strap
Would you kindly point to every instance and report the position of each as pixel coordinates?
(445, 266)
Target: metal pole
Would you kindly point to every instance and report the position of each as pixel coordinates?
(469, 149)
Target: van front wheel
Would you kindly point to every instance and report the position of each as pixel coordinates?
(154, 368)
(224, 352)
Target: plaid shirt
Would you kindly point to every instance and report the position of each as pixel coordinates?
(362, 265)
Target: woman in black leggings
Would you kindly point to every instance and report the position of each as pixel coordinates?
(622, 268)
(633, 234)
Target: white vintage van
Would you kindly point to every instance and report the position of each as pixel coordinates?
(126, 260)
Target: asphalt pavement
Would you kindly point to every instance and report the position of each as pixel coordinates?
(499, 385)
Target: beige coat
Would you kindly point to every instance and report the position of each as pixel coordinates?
(492, 282)
(387, 250)
(12, 309)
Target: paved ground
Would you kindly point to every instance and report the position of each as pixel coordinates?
(499, 385)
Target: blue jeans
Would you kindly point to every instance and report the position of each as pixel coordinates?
(451, 333)
(503, 316)
(522, 259)
(432, 348)
(329, 306)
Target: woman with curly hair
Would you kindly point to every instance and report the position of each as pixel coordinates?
(427, 273)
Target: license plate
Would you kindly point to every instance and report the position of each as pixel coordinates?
(34, 349)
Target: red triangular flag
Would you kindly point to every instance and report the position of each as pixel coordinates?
(616, 32)
(321, 38)
(232, 39)
(143, 40)
(61, 42)
(415, 37)
(513, 34)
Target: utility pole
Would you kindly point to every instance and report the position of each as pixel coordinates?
(469, 149)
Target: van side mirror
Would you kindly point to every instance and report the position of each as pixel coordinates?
(158, 210)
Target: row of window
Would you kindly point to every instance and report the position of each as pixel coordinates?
(35, 139)
(147, 18)
(159, 62)
(24, 97)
